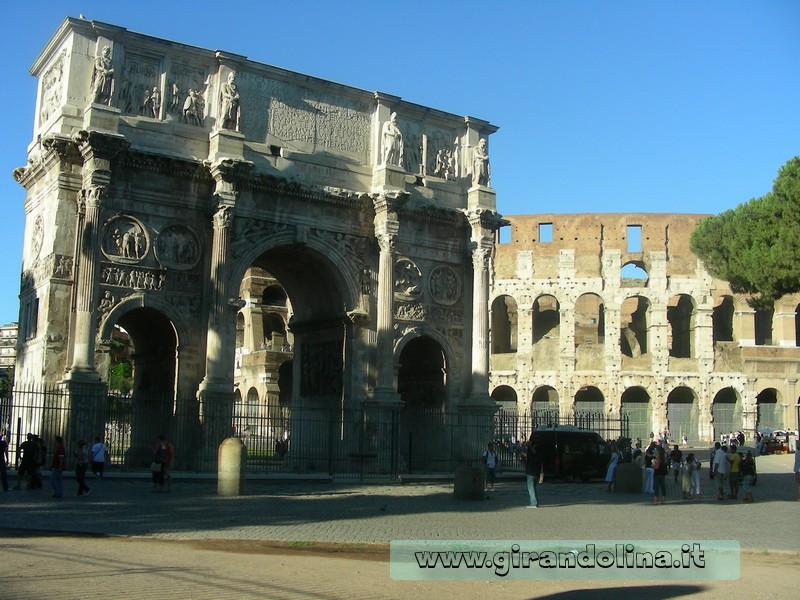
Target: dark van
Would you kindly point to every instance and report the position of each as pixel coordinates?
(571, 453)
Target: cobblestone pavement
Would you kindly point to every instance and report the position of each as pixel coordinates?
(182, 523)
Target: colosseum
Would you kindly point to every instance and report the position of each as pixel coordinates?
(614, 313)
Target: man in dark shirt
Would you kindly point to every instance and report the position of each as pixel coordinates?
(533, 471)
(30, 458)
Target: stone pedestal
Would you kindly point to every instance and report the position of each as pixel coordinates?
(468, 483)
(390, 177)
(481, 196)
(99, 117)
(231, 467)
(628, 478)
(223, 143)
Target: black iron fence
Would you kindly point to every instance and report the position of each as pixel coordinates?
(512, 428)
(364, 442)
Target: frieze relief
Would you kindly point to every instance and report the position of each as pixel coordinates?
(37, 237)
(125, 240)
(139, 92)
(250, 231)
(405, 311)
(442, 154)
(136, 278)
(407, 280)
(354, 248)
(186, 94)
(316, 117)
(321, 369)
(444, 285)
(62, 266)
(52, 88)
(177, 247)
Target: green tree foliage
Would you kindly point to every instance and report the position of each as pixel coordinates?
(120, 371)
(756, 246)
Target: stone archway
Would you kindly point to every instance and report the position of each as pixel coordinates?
(726, 412)
(682, 413)
(635, 404)
(173, 209)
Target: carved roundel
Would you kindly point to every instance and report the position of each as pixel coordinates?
(407, 280)
(125, 240)
(37, 235)
(445, 285)
(177, 247)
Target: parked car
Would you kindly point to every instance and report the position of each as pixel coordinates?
(571, 453)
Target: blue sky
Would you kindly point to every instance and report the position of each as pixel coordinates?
(618, 106)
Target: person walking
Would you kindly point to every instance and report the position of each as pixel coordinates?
(81, 466)
(612, 465)
(57, 464)
(694, 475)
(490, 462)
(649, 457)
(27, 466)
(99, 453)
(167, 468)
(157, 467)
(4, 463)
(721, 469)
(660, 472)
(534, 473)
(733, 477)
(748, 469)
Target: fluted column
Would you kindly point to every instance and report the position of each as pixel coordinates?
(483, 224)
(216, 390)
(97, 151)
(387, 227)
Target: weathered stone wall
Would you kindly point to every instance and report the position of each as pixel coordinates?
(619, 333)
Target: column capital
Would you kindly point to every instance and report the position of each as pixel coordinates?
(387, 204)
(228, 174)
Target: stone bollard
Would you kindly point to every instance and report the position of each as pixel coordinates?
(628, 478)
(232, 460)
(468, 483)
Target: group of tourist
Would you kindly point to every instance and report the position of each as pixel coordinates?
(33, 453)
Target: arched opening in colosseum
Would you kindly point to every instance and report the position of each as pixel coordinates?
(681, 319)
(590, 327)
(247, 416)
(544, 406)
(634, 317)
(589, 399)
(633, 274)
(722, 320)
(726, 412)
(546, 319)
(682, 413)
(769, 410)
(504, 325)
(635, 405)
(506, 398)
(763, 327)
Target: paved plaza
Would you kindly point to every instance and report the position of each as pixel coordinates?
(342, 530)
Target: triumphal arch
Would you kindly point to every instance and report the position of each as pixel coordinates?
(170, 188)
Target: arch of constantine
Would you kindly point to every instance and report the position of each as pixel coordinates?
(267, 242)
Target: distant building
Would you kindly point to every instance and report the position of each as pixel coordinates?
(8, 349)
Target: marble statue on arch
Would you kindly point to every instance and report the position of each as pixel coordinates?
(392, 140)
(102, 77)
(230, 103)
(481, 171)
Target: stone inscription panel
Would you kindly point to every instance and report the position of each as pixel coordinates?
(307, 116)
